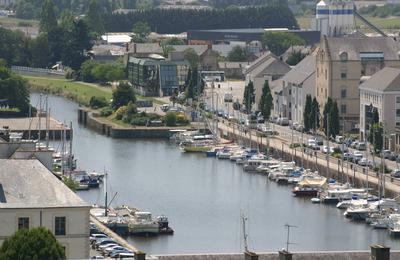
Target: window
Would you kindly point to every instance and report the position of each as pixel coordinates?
(343, 109)
(397, 112)
(398, 100)
(343, 75)
(59, 229)
(344, 93)
(23, 223)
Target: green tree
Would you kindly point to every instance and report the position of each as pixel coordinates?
(66, 20)
(166, 48)
(71, 183)
(48, 20)
(375, 116)
(170, 119)
(377, 136)
(14, 90)
(122, 95)
(40, 52)
(314, 118)
(307, 114)
(36, 243)
(191, 56)
(279, 42)
(174, 41)
(249, 96)
(326, 115)
(192, 88)
(266, 102)
(94, 19)
(295, 57)
(141, 30)
(335, 121)
(237, 54)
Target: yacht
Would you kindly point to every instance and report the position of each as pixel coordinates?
(252, 164)
(395, 229)
(142, 223)
(309, 185)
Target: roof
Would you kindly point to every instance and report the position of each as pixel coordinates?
(387, 79)
(267, 63)
(199, 49)
(145, 48)
(117, 38)
(302, 71)
(108, 49)
(232, 65)
(28, 184)
(356, 45)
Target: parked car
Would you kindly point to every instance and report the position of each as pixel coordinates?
(103, 241)
(364, 162)
(312, 144)
(342, 148)
(283, 121)
(361, 146)
(347, 156)
(319, 140)
(339, 139)
(396, 173)
(325, 149)
(110, 250)
(94, 237)
(354, 144)
(105, 246)
(122, 254)
(387, 154)
(357, 156)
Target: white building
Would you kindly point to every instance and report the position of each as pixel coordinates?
(297, 84)
(381, 92)
(31, 196)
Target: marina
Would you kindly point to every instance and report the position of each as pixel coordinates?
(199, 194)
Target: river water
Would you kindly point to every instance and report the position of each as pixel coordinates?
(204, 198)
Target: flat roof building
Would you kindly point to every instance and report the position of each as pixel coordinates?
(31, 196)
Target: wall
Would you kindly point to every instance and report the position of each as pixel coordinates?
(76, 239)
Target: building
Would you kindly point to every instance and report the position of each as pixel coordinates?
(143, 50)
(31, 196)
(233, 70)
(297, 84)
(381, 92)
(155, 76)
(246, 35)
(116, 38)
(341, 62)
(107, 52)
(267, 67)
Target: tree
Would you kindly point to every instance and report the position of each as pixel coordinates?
(48, 20)
(14, 90)
(295, 57)
(331, 112)
(35, 243)
(94, 19)
(307, 114)
(122, 95)
(314, 118)
(141, 30)
(377, 136)
(191, 56)
(375, 116)
(279, 42)
(174, 41)
(40, 52)
(166, 48)
(237, 54)
(66, 20)
(249, 96)
(266, 102)
(326, 114)
(170, 119)
(192, 88)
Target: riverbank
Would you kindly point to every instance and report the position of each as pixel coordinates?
(79, 92)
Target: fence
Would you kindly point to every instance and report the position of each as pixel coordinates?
(37, 71)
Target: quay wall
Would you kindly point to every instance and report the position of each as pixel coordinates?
(89, 120)
(334, 255)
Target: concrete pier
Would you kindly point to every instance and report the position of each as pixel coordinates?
(32, 127)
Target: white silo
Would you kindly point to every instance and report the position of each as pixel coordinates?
(341, 17)
(322, 17)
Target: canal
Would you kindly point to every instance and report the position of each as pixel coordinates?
(204, 198)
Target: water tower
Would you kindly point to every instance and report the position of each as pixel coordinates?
(341, 17)
(322, 18)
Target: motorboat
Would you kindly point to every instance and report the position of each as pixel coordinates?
(225, 153)
(142, 223)
(349, 203)
(265, 166)
(309, 185)
(395, 230)
(337, 195)
(252, 164)
(360, 212)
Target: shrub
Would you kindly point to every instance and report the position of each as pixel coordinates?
(181, 119)
(139, 121)
(98, 102)
(106, 111)
(170, 119)
(120, 112)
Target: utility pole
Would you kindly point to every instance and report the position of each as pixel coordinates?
(288, 236)
(329, 149)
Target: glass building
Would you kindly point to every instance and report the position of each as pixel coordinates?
(155, 76)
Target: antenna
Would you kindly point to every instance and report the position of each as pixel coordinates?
(288, 226)
(244, 219)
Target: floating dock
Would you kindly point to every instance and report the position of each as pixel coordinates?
(32, 127)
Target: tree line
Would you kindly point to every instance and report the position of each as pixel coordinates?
(228, 3)
(182, 20)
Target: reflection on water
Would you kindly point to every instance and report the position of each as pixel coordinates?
(204, 198)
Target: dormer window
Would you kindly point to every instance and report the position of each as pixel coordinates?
(343, 56)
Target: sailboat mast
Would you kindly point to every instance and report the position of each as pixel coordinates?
(47, 122)
(105, 194)
(40, 118)
(244, 233)
(70, 158)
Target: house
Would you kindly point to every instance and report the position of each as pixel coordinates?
(382, 93)
(208, 57)
(107, 52)
(297, 84)
(266, 67)
(233, 70)
(155, 76)
(31, 196)
(342, 62)
(143, 50)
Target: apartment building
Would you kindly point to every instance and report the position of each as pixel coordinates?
(31, 196)
(341, 62)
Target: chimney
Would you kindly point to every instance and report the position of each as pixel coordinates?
(127, 47)
(250, 255)
(285, 255)
(134, 48)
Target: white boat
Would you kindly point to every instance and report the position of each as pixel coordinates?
(359, 212)
(265, 166)
(348, 203)
(252, 164)
(395, 229)
(238, 154)
(224, 154)
(337, 195)
(142, 223)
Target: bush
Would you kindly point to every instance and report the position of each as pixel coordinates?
(378, 168)
(106, 111)
(98, 102)
(120, 112)
(139, 121)
(181, 119)
(170, 119)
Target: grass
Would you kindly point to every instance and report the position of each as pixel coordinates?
(15, 22)
(77, 91)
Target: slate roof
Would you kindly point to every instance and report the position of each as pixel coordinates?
(28, 184)
(356, 45)
(199, 49)
(387, 79)
(302, 71)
